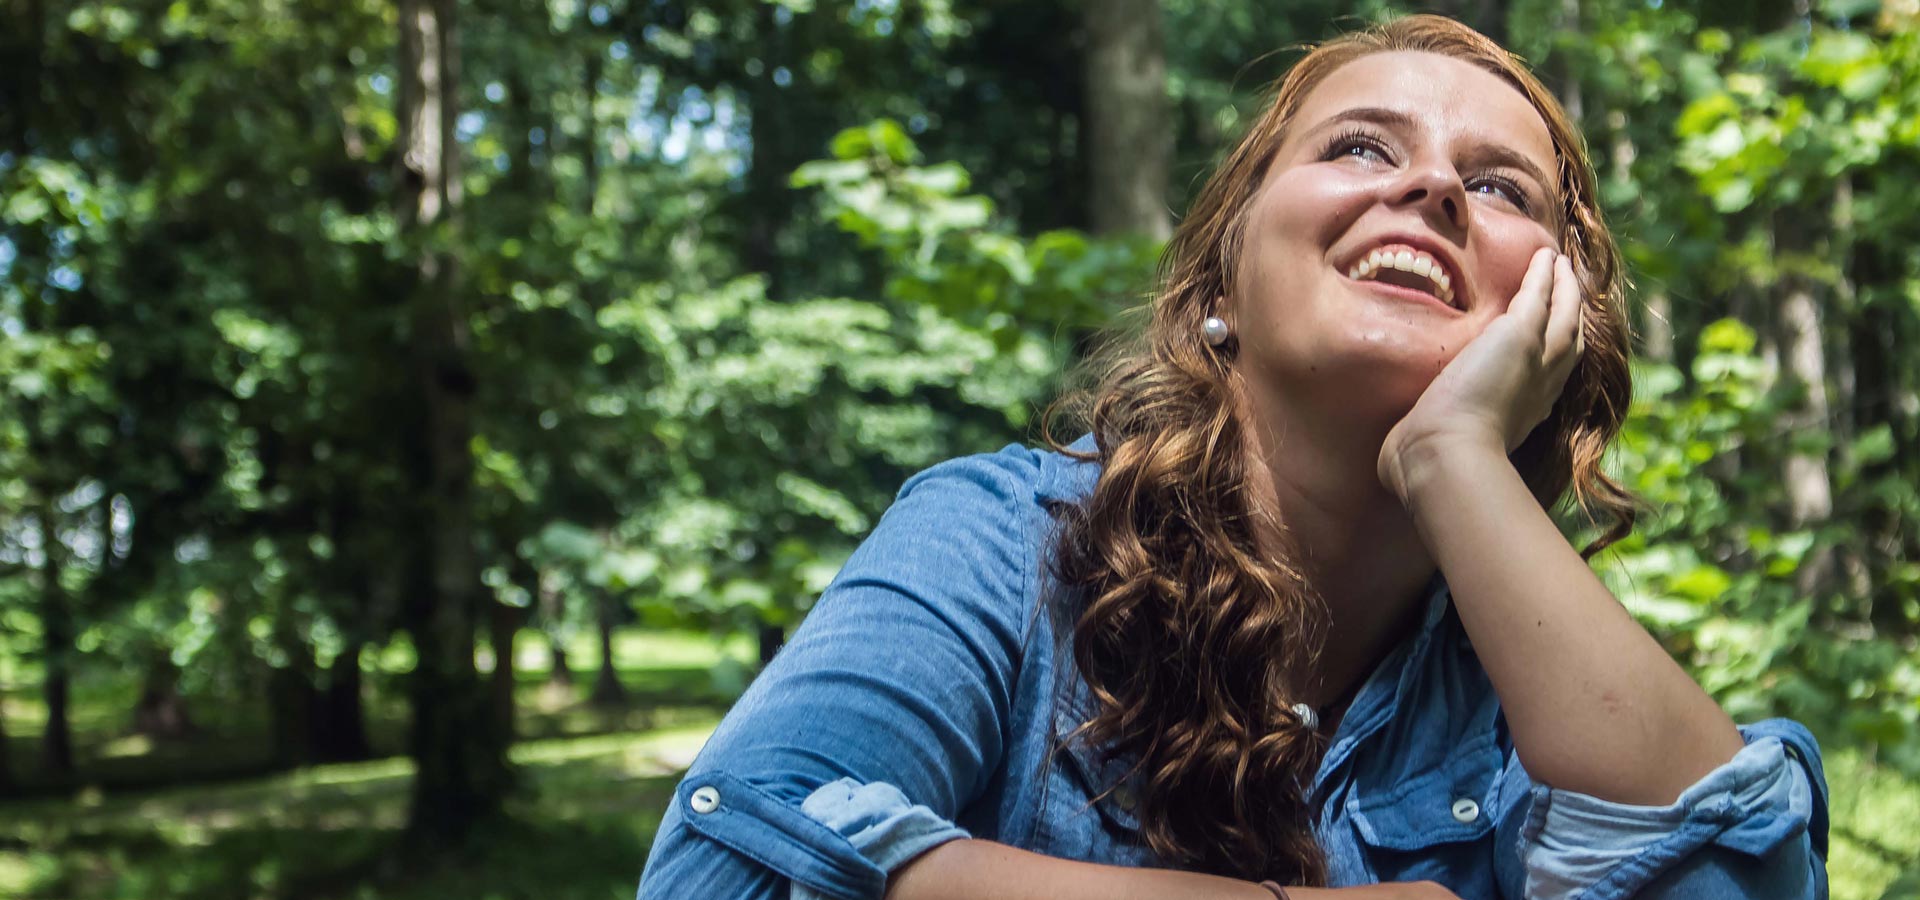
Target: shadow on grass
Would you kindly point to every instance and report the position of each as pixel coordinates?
(233, 746)
(583, 832)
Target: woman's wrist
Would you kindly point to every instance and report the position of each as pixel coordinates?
(1410, 466)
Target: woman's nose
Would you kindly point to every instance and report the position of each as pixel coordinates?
(1437, 192)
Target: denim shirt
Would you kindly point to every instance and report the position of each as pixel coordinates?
(922, 698)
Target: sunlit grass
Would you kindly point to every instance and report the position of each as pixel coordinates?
(594, 782)
(579, 829)
(1876, 830)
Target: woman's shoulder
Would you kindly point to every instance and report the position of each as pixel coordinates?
(1013, 478)
(965, 539)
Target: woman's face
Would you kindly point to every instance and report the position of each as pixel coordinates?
(1396, 221)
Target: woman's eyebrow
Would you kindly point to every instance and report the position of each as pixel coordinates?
(1376, 115)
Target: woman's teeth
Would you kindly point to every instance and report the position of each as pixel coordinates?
(1405, 260)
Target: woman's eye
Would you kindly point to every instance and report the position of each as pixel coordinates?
(1362, 151)
(1356, 146)
(1503, 189)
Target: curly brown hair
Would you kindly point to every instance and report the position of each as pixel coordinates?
(1182, 625)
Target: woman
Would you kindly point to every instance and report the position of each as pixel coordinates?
(1293, 612)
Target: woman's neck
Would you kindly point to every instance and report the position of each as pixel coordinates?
(1315, 482)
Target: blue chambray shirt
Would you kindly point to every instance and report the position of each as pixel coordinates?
(920, 699)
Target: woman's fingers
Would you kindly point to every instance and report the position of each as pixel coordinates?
(1563, 320)
(1529, 306)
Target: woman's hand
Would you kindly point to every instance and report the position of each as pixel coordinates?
(1502, 384)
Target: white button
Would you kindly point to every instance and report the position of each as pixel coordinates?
(1465, 810)
(706, 800)
(1308, 718)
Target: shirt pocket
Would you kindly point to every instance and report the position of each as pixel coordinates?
(1434, 825)
(1072, 824)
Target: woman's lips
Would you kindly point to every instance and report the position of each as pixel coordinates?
(1401, 292)
(1408, 266)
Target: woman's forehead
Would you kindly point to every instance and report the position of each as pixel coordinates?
(1450, 99)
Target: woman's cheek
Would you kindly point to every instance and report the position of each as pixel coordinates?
(1507, 275)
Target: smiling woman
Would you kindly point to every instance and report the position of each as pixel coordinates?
(1292, 618)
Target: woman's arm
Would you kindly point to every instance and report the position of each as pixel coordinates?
(862, 741)
(966, 870)
(1595, 705)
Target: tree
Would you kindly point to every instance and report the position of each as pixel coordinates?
(462, 774)
(1129, 127)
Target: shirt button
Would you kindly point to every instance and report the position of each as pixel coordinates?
(706, 800)
(1465, 810)
(1123, 796)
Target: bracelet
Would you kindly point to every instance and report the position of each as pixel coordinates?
(1279, 893)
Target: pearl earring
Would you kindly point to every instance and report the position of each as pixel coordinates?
(1215, 328)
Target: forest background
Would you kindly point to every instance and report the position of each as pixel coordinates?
(418, 418)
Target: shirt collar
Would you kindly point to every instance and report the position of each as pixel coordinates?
(1065, 479)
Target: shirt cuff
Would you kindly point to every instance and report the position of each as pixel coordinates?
(879, 821)
(1579, 846)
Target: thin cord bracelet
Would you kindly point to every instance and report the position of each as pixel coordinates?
(1279, 893)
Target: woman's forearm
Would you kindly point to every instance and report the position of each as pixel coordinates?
(1595, 705)
(984, 870)
(965, 870)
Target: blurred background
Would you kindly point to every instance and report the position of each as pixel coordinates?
(420, 418)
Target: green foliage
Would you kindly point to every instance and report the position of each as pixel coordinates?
(1797, 142)
(944, 253)
(1721, 582)
(788, 425)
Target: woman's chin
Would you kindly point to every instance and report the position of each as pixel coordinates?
(1371, 382)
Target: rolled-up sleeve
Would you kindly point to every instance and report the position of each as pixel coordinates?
(885, 715)
(1755, 826)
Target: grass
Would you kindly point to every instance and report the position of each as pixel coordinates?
(667, 675)
(580, 829)
(1875, 852)
(594, 786)
(594, 783)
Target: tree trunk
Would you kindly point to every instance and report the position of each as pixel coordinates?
(291, 702)
(767, 201)
(1857, 371)
(161, 713)
(340, 726)
(607, 690)
(56, 657)
(503, 625)
(1799, 334)
(462, 775)
(1129, 123)
(553, 613)
(562, 672)
(771, 639)
(8, 785)
(1572, 98)
(590, 133)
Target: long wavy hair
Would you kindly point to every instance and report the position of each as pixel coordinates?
(1181, 625)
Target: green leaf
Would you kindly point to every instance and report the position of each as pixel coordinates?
(1875, 446)
(1728, 336)
(1704, 583)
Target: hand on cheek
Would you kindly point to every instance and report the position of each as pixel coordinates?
(1502, 384)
